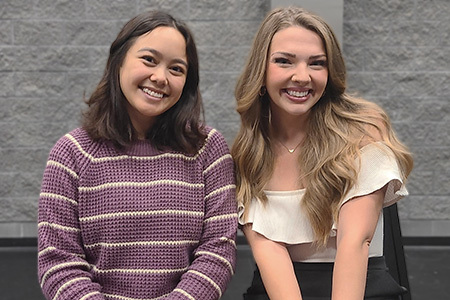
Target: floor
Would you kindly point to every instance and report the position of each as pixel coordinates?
(428, 273)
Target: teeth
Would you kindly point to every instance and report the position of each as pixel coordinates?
(297, 93)
(152, 93)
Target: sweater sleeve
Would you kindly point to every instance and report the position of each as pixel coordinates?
(214, 259)
(62, 267)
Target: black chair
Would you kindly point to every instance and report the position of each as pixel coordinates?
(393, 249)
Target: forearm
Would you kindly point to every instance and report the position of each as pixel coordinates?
(357, 223)
(279, 277)
(63, 271)
(214, 262)
(275, 265)
(215, 256)
(350, 271)
(62, 268)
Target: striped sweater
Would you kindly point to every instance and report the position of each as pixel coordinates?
(137, 223)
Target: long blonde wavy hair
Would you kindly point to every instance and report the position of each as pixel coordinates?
(337, 125)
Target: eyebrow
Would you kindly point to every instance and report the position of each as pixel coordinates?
(293, 55)
(156, 52)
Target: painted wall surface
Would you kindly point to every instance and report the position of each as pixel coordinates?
(52, 52)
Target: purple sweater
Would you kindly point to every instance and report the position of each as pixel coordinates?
(138, 223)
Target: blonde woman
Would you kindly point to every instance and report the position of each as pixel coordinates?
(315, 167)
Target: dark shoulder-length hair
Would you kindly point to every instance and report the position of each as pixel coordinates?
(180, 128)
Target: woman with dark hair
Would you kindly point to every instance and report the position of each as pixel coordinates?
(315, 166)
(139, 203)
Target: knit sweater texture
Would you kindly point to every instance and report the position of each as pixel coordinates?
(137, 223)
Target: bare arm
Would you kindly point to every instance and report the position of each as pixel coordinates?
(357, 223)
(275, 265)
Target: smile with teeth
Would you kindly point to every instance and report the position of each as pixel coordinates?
(297, 94)
(152, 93)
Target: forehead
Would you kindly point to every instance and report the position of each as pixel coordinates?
(166, 40)
(296, 39)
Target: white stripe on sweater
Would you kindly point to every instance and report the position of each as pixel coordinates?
(129, 298)
(84, 189)
(207, 279)
(142, 243)
(221, 258)
(49, 249)
(221, 217)
(218, 161)
(57, 196)
(220, 190)
(122, 157)
(142, 213)
(44, 251)
(89, 295)
(61, 166)
(228, 240)
(58, 226)
(137, 271)
(184, 293)
(63, 265)
(68, 283)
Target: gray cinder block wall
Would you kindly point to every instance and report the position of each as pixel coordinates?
(53, 52)
(397, 55)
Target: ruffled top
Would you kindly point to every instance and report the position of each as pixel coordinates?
(282, 219)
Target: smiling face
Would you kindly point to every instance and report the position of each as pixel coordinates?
(296, 72)
(152, 75)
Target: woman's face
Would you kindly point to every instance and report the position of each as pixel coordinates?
(152, 75)
(296, 72)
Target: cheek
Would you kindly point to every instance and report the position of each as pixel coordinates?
(179, 84)
(125, 77)
(325, 80)
(276, 75)
(270, 77)
(122, 80)
(322, 79)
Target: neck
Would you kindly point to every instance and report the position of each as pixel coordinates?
(141, 128)
(288, 131)
(140, 122)
(289, 141)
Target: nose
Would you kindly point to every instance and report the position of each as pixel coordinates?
(159, 76)
(301, 75)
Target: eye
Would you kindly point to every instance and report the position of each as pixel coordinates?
(149, 59)
(281, 61)
(178, 70)
(320, 63)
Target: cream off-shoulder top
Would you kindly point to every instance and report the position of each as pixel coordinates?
(281, 219)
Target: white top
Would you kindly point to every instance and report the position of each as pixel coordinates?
(282, 219)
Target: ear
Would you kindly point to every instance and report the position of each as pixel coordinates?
(262, 91)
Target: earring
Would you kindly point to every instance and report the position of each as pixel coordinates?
(262, 91)
(270, 117)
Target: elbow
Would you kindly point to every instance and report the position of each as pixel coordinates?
(355, 244)
(366, 242)
(365, 245)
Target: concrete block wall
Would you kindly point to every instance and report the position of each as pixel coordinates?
(397, 54)
(52, 52)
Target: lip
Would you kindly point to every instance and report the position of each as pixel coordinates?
(296, 90)
(153, 91)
